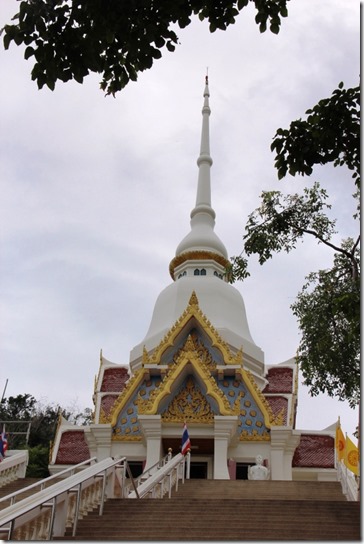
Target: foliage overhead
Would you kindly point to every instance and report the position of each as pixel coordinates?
(328, 306)
(328, 313)
(116, 38)
(331, 133)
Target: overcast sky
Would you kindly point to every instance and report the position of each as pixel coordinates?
(96, 194)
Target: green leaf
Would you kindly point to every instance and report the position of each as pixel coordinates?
(18, 37)
(28, 52)
(170, 46)
(262, 27)
(51, 84)
(7, 40)
(242, 4)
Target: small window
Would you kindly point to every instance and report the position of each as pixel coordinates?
(203, 272)
(196, 272)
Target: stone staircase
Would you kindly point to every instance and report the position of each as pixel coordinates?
(221, 510)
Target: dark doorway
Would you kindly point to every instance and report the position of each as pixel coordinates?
(136, 468)
(198, 470)
(242, 470)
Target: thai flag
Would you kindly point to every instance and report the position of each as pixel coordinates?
(3, 443)
(186, 442)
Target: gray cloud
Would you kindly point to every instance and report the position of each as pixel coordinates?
(96, 193)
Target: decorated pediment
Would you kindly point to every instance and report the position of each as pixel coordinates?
(191, 386)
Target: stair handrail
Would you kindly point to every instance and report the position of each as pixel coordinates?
(124, 487)
(48, 498)
(42, 483)
(162, 479)
(136, 482)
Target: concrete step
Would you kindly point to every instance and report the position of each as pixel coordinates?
(260, 489)
(221, 519)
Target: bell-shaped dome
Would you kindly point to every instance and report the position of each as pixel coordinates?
(202, 236)
(221, 303)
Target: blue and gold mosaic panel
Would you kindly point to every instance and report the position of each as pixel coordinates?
(127, 423)
(251, 419)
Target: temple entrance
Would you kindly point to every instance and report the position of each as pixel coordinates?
(242, 470)
(198, 470)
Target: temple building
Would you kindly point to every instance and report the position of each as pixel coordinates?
(199, 364)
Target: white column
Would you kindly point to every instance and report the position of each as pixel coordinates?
(283, 444)
(98, 437)
(152, 431)
(224, 429)
(291, 445)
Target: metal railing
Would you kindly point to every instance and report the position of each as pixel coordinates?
(48, 512)
(43, 483)
(129, 485)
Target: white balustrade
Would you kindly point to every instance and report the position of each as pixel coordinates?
(349, 483)
(13, 466)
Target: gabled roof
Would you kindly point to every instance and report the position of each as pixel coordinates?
(114, 379)
(280, 380)
(316, 451)
(188, 360)
(72, 448)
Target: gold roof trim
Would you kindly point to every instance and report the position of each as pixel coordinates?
(193, 310)
(199, 255)
(295, 394)
(98, 374)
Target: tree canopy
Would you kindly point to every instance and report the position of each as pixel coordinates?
(22, 410)
(328, 306)
(68, 39)
(328, 313)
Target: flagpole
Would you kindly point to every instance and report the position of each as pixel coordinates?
(359, 475)
(346, 468)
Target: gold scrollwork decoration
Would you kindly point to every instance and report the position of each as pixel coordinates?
(189, 405)
(253, 436)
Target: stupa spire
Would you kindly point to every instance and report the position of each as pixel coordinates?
(201, 243)
(204, 161)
